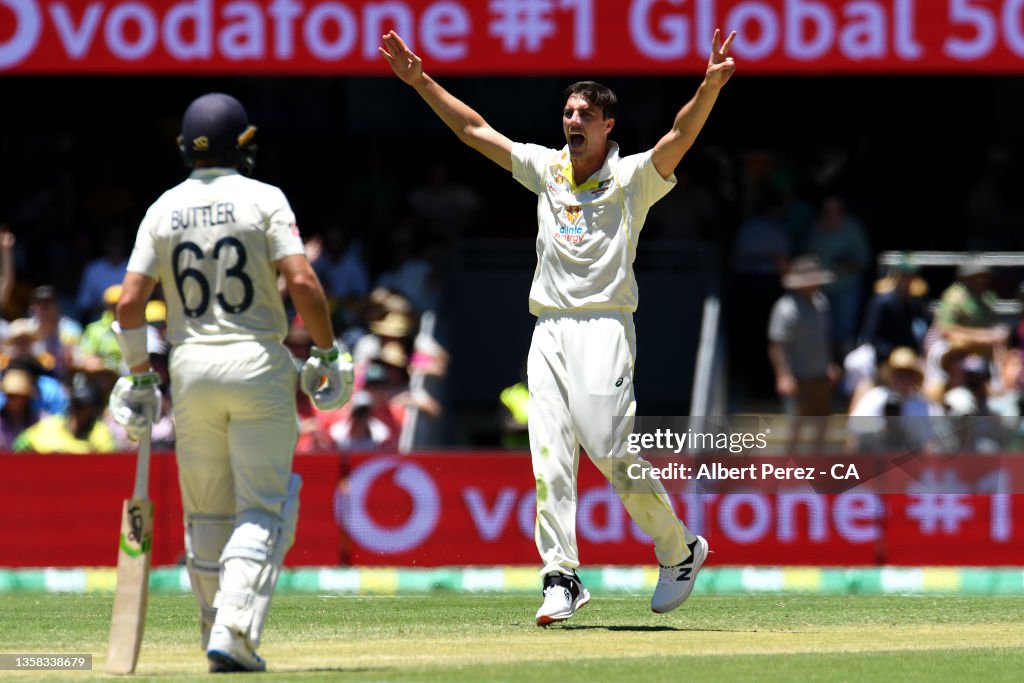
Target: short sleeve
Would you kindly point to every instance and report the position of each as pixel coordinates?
(282, 231)
(144, 258)
(640, 179)
(528, 165)
(781, 323)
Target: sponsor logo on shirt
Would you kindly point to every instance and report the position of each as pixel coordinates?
(573, 234)
(601, 188)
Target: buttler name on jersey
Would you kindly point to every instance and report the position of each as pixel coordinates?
(202, 216)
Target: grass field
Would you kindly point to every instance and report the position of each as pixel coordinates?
(444, 637)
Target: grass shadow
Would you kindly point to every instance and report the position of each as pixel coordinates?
(640, 628)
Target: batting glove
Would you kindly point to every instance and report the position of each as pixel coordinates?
(327, 376)
(136, 403)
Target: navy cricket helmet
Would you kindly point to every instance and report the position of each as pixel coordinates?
(216, 128)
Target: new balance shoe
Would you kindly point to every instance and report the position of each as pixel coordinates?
(676, 583)
(563, 595)
(229, 652)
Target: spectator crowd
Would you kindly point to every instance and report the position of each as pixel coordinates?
(839, 337)
(59, 356)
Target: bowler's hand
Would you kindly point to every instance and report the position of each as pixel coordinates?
(403, 62)
(720, 66)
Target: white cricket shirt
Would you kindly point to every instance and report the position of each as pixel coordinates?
(587, 235)
(212, 242)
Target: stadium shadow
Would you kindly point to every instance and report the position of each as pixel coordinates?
(647, 629)
(334, 669)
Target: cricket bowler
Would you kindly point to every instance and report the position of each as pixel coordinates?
(592, 203)
(216, 243)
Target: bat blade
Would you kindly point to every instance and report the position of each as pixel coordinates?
(130, 598)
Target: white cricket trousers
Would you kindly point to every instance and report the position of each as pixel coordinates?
(580, 374)
(235, 424)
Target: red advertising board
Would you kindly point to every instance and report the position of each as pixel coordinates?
(510, 36)
(432, 510)
(477, 508)
(65, 510)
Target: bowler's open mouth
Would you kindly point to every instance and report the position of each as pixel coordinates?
(576, 140)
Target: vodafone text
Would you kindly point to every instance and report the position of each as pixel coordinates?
(716, 471)
(807, 36)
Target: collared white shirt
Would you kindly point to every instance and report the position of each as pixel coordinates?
(213, 241)
(587, 234)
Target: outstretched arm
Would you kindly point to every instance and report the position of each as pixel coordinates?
(690, 119)
(466, 123)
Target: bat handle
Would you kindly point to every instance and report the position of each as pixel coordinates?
(142, 464)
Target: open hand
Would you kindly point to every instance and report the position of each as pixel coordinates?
(402, 60)
(720, 65)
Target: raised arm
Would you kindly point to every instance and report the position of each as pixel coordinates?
(691, 118)
(466, 123)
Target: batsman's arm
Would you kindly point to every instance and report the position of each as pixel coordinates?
(465, 122)
(689, 121)
(308, 296)
(131, 315)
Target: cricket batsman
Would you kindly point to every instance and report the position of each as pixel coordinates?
(216, 243)
(592, 203)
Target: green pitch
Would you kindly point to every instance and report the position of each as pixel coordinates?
(444, 637)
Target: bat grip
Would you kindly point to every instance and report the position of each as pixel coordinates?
(142, 464)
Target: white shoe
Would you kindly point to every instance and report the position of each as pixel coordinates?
(563, 595)
(230, 652)
(676, 583)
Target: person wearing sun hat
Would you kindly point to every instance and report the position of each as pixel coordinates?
(899, 396)
(800, 346)
(966, 312)
(80, 431)
(19, 411)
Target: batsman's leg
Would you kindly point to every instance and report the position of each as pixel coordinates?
(205, 538)
(204, 476)
(251, 564)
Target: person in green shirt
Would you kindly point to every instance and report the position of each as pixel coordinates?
(966, 313)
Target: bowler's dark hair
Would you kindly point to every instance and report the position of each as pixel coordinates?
(595, 94)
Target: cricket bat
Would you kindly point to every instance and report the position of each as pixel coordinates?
(133, 557)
